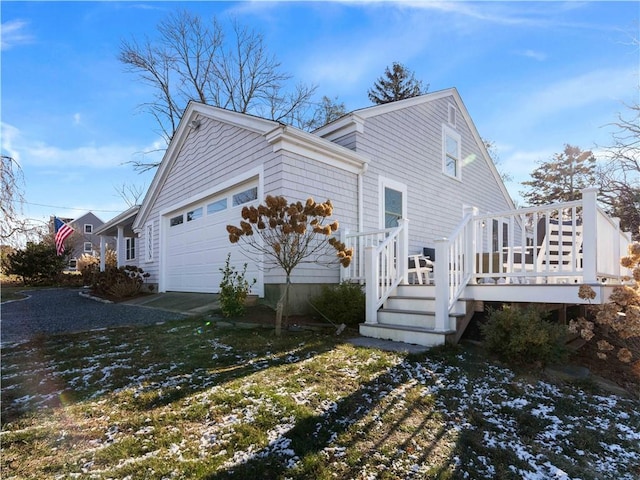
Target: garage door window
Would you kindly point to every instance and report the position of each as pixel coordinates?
(217, 206)
(194, 214)
(245, 196)
(176, 220)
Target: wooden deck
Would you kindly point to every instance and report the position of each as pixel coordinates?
(561, 247)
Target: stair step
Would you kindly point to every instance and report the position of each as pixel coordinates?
(413, 335)
(412, 318)
(414, 312)
(421, 304)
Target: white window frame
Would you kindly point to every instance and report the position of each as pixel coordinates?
(149, 242)
(195, 214)
(449, 132)
(384, 183)
(88, 228)
(223, 205)
(237, 200)
(130, 248)
(87, 247)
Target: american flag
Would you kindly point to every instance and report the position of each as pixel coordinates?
(62, 232)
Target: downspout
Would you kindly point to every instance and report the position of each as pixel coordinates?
(365, 167)
(361, 253)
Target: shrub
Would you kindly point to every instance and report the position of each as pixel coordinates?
(36, 264)
(343, 303)
(122, 282)
(524, 335)
(615, 325)
(234, 289)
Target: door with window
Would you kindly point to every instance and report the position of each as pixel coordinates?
(394, 202)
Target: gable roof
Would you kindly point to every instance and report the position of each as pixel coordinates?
(86, 214)
(355, 122)
(280, 136)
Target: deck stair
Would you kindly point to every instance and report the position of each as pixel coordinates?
(409, 316)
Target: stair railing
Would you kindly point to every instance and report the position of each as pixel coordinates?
(386, 268)
(454, 267)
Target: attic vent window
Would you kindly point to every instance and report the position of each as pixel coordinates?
(452, 115)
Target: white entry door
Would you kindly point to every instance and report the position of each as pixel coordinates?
(394, 202)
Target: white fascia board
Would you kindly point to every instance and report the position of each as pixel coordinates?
(121, 218)
(311, 146)
(242, 120)
(341, 127)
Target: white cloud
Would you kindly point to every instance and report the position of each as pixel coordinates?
(37, 153)
(14, 34)
(540, 56)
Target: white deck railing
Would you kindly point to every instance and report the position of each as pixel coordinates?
(570, 242)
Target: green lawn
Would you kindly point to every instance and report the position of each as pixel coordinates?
(190, 400)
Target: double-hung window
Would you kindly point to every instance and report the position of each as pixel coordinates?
(451, 153)
(130, 248)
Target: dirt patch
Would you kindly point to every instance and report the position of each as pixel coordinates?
(625, 375)
(265, 315)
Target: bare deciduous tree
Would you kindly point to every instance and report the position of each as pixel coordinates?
(130, 193)
(619, 176)
(11, 202)
(192, 59)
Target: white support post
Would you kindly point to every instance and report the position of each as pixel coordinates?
(371, 279)
(120, 247)
(403, 251)
(470, 249)
(103, 253)
(616, 247)
(441, 276)
(589, 235)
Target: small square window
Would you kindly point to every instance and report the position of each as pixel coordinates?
(217, 206)
(88, 228)
(88, 247)
(194, 214)
(177, 220)
(246, 196)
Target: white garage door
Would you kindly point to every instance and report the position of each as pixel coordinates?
(197, 243)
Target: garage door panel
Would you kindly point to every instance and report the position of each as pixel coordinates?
(198, 249)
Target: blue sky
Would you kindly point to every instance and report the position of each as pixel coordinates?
(533, 75)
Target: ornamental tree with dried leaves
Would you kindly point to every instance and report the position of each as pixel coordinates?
(615, 325)
(289, 234)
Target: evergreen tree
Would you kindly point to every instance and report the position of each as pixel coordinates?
(396, 84)
(562, 178)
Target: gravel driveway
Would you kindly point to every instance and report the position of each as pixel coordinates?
(60, 310)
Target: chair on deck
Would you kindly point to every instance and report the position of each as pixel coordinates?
(422, 267)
